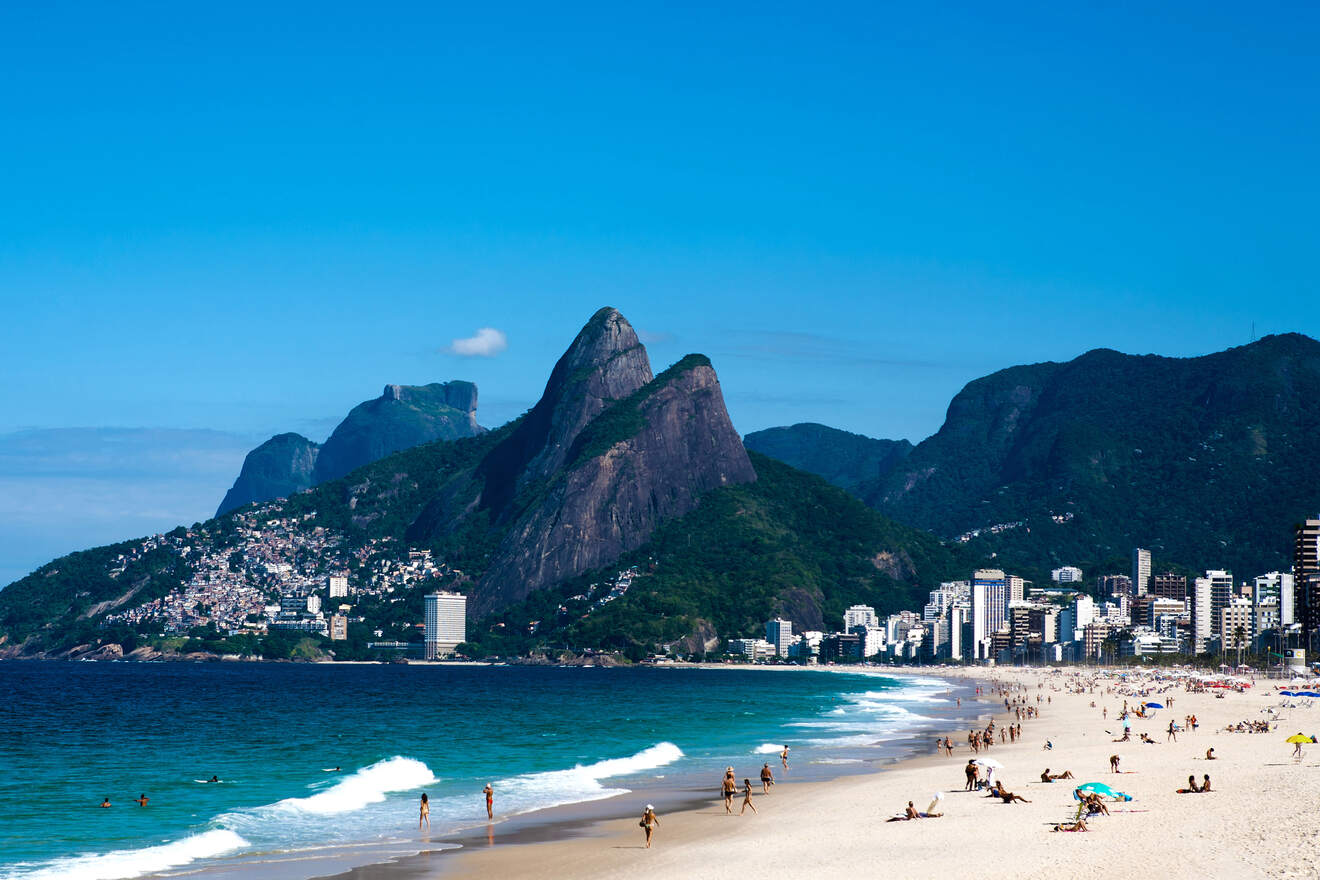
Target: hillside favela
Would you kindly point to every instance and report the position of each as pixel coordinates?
(450, 442)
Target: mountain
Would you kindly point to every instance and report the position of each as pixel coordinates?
(402, 417)
(788, 545)
(1208, 461)
(847, 460)
(283, 465)
(606, 455)
(614, 468)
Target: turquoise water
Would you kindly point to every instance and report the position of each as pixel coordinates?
(76, 733)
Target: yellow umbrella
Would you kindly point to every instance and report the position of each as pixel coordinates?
(1299, 738)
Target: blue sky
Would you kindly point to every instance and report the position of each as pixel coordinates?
(247, 218)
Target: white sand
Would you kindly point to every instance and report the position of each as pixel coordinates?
(1259, 821)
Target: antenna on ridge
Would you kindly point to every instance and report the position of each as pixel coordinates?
(1253, 331)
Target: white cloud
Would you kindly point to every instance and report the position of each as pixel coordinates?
(486, 342)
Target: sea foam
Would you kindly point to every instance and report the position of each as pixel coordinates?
(369, 785)
(128, 863)
(537, 791)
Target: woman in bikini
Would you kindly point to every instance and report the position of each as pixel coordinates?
(649, 823)
(747, 797)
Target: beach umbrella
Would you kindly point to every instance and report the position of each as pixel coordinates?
(1287, 693)
(1298, 738)
(1154, 705)
(1101, 789)
(990, 762)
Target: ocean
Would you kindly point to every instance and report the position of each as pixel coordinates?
(74, 734)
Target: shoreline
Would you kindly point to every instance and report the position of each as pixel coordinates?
(1256, 822)
(601, 820)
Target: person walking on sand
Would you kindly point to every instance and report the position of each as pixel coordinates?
(767, 778)
(424, 818)
(490, 801)
(747, 797)
(972, 772)
(1173, 731)
(1297, 748)
(727, 789)
(649, 823)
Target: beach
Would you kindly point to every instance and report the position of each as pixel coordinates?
(1256, 822)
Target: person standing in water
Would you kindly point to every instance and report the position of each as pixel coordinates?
(424, 817)
(783, 757)
(106, 803)
(649, 823)
(490, 801)
(142, 800)
(747, 797)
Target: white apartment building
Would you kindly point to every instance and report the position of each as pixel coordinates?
(1140, 571)
(338, 586)
(780, 634)
(858, 615)
(1068, 574)
(445, 623)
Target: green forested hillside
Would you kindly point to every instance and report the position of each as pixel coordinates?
(788, 545)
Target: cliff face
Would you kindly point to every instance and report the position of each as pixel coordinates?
(278, 468)
(847, 460)
(606, 362)
(403, 416)
(651, 461)
(607, 454)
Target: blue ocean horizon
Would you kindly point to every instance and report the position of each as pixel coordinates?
(316, 756)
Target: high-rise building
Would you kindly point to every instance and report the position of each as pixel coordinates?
(1016, 588)
(1114, 585)
(445, 623)
(858, 615)
(780, 634)
(1235, 624)
(974, 649)
(313, 604)
(1140, 571)
(1168, 586)
(1068, 574)
(995, 583)
(1202, 615)
(1306, 584)
(1279, 585)
(338, 584)
(1221, 593)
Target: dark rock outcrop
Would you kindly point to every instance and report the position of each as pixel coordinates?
(605, 363)
(651, 462)
(847, 460)
(607, 454)
(278, 468)
(403, 416)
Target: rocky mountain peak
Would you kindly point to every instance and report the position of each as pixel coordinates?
(606, 362)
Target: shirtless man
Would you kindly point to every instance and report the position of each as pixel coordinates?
(728, 787)
(142, 800)
(972, 773)
(767, 778)
(490, 801)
